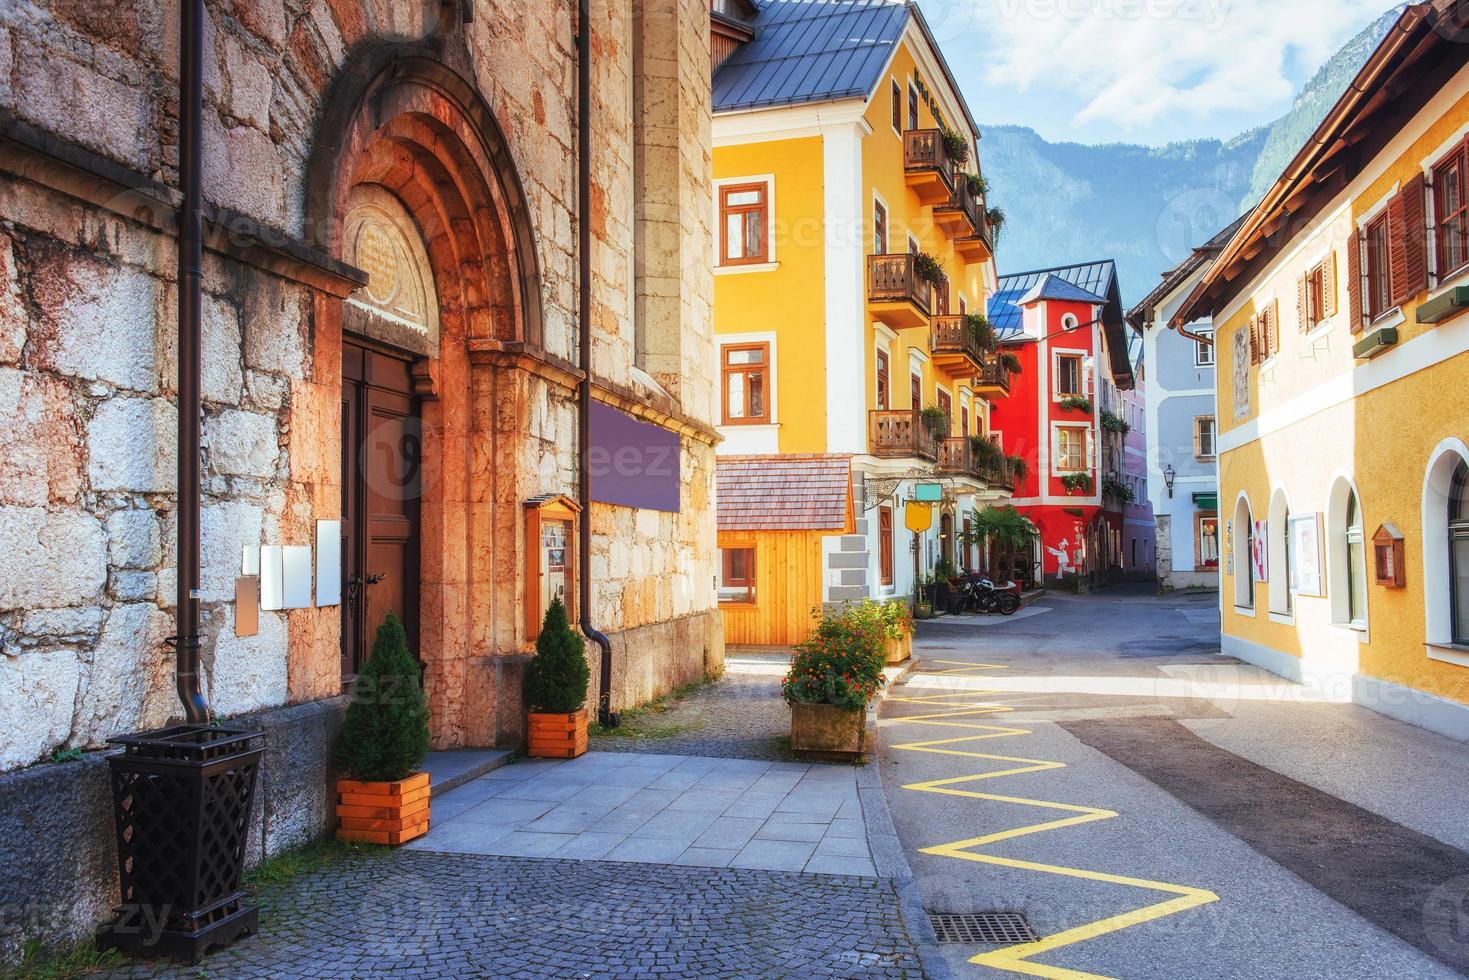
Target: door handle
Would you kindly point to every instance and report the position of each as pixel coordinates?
(375, 579)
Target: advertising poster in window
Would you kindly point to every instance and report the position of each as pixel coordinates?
(1260, 552)
(1304, 541)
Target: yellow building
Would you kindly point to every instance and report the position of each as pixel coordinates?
(853, 243)
(1339, 309)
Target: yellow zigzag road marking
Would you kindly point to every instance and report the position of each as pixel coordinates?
(1017, 958)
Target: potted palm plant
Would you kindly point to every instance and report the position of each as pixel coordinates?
(833, 677)
(384, 799)
(556, 689)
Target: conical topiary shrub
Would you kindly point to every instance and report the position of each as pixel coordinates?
(556, 677)
(385, 734)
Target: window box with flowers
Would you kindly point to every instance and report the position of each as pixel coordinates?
(1077, 483)
(833, 677)
(1116, 489)
(1076, 403)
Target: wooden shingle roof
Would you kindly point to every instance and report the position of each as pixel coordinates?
(784, 493)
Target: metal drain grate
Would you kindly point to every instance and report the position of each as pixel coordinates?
(982, 927)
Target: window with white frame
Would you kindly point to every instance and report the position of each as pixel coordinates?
(1204, 437)
(1071, 452)
(1204, 353)
(1068, 380)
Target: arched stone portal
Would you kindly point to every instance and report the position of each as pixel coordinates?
(411, 181)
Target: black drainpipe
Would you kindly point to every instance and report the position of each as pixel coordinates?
(605, 714)
(190, 262)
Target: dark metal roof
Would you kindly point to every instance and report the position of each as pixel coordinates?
(1053, 286)
(811, 51)
(1004, 309)
(1096, 278)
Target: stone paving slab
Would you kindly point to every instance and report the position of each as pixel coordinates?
(663, 809)
(420, 914)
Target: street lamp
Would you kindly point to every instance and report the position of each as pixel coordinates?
(1168, 474)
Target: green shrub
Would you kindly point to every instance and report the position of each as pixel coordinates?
(982, 331)
(927, 267)
(1077, 482)
(1114, 423)
(556, 677)
(1011, 360)
(385, 734)
(841, 664)
(936, 421)
(888, 620)
(1076, 403)
(956, 146)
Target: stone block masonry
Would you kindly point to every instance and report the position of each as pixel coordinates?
(466, 133)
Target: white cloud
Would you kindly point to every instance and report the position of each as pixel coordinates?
(1131, 63)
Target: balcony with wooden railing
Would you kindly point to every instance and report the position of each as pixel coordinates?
(960, 456)
(953, 347)
(999, 473)
(962, 215)
(927, 166)
(993, 379)
(978, 245)
(899, 433)
(956, 457)
(896, 294)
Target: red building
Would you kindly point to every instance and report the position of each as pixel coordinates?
(1065, 415)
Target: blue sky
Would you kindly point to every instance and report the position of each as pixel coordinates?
(1139, 71)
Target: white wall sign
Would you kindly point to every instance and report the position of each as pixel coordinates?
(328, 563)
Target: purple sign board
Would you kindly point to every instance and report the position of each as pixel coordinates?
(633, 464)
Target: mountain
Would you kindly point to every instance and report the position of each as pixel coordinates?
(1147, 206)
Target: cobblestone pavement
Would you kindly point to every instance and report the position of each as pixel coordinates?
(740, 716)
(419, 914)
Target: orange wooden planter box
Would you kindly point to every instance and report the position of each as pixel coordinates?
(383, 813)
(557, 736)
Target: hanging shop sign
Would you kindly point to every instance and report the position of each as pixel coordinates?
(632, 463)
(918, 516)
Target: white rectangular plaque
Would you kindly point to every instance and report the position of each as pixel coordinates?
(250, 559)
(296, 576)
(271, 594)
(328, 563)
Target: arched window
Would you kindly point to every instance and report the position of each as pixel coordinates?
(1280, 558)
(1445, 548)
(1346, 556)
(1244, 565)
(1356, 563)
(1459, 553)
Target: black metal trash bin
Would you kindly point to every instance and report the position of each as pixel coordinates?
(182, 801)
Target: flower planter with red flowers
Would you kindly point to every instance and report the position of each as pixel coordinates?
(833, 677)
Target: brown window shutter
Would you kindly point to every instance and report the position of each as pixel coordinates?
(1328, 283)
(1196, 438)
(1303, 305)
(1409, 247)
(1275, 326)
(1396, 244)
(1254, 340)
(1354, 281)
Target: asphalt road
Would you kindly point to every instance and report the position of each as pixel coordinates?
(1157, 810)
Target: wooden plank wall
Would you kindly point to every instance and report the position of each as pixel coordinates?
(788, 588)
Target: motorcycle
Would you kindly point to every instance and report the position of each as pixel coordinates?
(980, 594)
